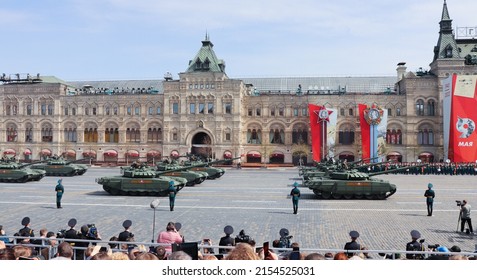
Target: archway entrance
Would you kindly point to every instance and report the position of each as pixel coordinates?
(202, 145)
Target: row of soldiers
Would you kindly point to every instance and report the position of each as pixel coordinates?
(429, 169)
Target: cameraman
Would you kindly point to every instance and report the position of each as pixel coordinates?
(414, 245)
(465, 216)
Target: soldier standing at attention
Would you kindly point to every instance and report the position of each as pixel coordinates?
(295, 196)
(59, 189)
(172, 195)
(429, 194)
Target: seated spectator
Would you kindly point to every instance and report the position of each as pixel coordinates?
(160, 252)
(119, 256)
(242, 251)
(21, 251)
(340, 256)
(65, 252)
(314, 256)
(101, 256)
(146, 256)
(178, 256)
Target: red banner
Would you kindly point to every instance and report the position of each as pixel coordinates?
(316, 131)
(365, 133)
(463, 137)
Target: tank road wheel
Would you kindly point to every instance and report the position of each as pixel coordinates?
(370, 196)
(337, 195)
(381, 196)
(348, 196)
(326, 195)
(358, 196)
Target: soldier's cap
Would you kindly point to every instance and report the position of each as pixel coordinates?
(171, 183)
(127, 224)
(72, 222)
(295, 184)
(415, 234)
(455, 248)
(228, 230)
(25, 221)
(429, 186)
(354, 234)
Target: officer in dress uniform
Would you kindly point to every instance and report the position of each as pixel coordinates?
(414, 245)
(429, 194)
(353, 244)
(126, 234)
(59, 189)
(26, 231)
(226, 240)
(172, 195)
(295, 196)
(72, 233)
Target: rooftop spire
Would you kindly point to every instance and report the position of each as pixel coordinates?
(445, 12)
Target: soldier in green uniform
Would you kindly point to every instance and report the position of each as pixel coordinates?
(429, 194)
(172, 195)
(295, 196)
(59, 189)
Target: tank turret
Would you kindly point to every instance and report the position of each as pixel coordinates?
(57, 166)
(13, 172)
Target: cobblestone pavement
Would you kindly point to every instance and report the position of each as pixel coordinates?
(255, 200)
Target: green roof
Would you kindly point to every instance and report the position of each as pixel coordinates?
(206, 60)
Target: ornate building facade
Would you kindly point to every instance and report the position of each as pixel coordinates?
(206, 112)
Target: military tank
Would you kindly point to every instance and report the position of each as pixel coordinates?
(13, 172)
(349, 184)
(175, 170)
(212, 172)
(141, 181)
(57, 166)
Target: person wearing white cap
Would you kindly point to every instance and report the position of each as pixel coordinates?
(429, 194)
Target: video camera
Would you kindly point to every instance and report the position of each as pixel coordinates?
(61, 233)
(92, 231)
(242, 237)
(433, 247)
(459, 203)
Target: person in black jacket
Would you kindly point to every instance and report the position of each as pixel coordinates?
(226, 240)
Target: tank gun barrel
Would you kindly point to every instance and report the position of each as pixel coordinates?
(375, 163)
(222, 160)
(393, 170)
(32, 163)
(361, 160)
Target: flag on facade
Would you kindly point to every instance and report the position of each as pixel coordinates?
(319, 120)
(459, 103)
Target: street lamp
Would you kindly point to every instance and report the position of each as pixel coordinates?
(154, 205)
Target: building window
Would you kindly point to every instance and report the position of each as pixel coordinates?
(70, 134)
(50, 110)
(431, 108)
(46, 134)
(350, 111)
(115, 111)
(86, 111)
(129, 111)
(137, 111)
(43, 109)
(304, 112)
(91, 135)
(201, 108)
(254, 136)
(29, 110)
(394, 137)
(175, 108)
(228, 108)
(108, 111)
(272, 112)
(150, 111)
(425, 137)
(390, 112)
(12, 134)
(398, 112)
(420, 107)
(295, 112)
(133, 135)
(277, 136)
(250, 112)
(174, 136)
(346, 135)
(94, 111)
(158, 111)
(210, 108)
(227, 136)
(342, 112)
(281, 111)
(299, 136)
(29, 134)
(66, 111)
(192, 108)
(111, 135)
(258, 112)
(154, 135)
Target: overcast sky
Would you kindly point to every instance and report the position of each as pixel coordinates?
(143, 39)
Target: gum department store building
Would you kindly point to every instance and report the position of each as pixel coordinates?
(206, 112)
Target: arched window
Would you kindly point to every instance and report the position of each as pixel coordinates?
(154, 135)
(346, 135)
(70, 134)
(254, 136)
(133, 135)
(420, 107)
(91, 135)
(46, 133)
(12, 133)
(425, 136)
(277, 136)
(29, 133)
(111, 135)
(431, 107)
(300, 136)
